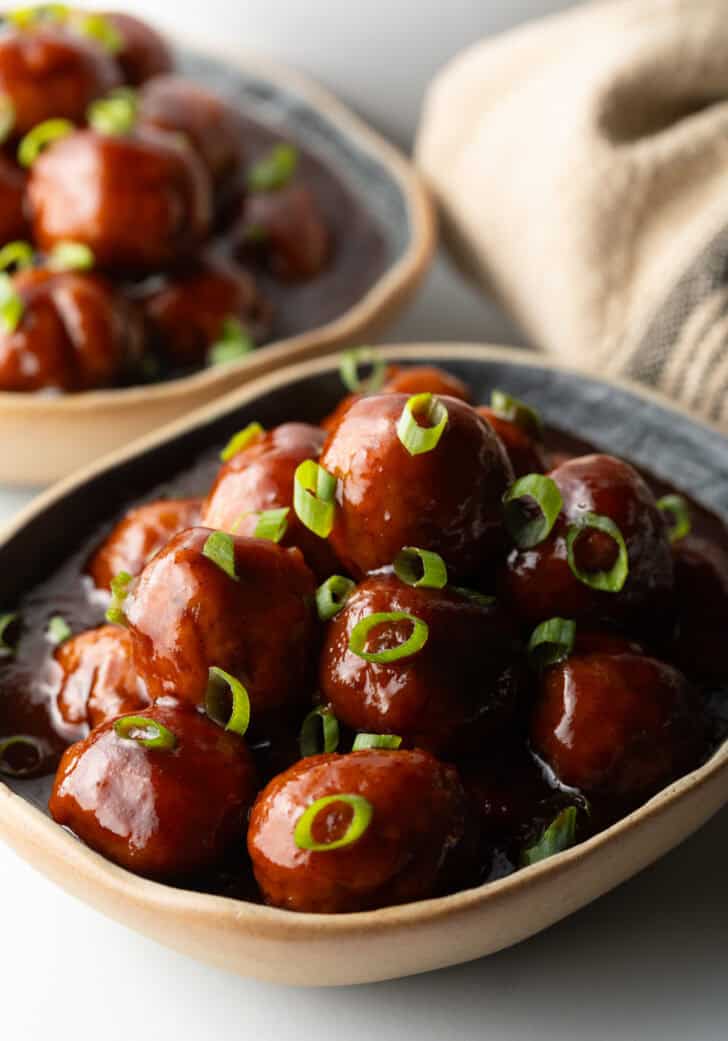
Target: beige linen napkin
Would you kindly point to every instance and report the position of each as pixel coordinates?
(581, 164)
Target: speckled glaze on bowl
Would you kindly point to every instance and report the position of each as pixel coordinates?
(319, 950)
(46, 437)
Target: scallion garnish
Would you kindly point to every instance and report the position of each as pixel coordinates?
(119, 589)
(59, 630)
(25, 17)
(7, 650)
(272, 524)
(149, 733)
(518, 412)
(19, 741)
(241, 440)
(97, 27)
(362, 741)
(40, 137)
(482, 599)
(331, 596)
(352, 360)
(220, 549)
(274, 170)
(12, 307)
(313, 497)
(18, 254)
(678, 509)
(416, 438)
(235, 342)
(610, 581)
(7, 117)
(518, 502)
(71, 256)
(362, 812)
(319, 732)
(551, 642)
(414, 643)
(420, 567)
(560, 835)
(115, 114)
(220, 684)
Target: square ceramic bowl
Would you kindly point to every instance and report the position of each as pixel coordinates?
(398, 941)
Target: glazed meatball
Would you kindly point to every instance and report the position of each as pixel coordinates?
(287, 227)
(144, 52)
(76, 332)
(189, 310)
(260, 477)
(141, 201)
(160, 812)
(540, 583)
(616, 724)
(49, 73)
(701, 595)
(138, 536)
(186, 614)
(417, 831)
(459, 691)
(524, 450)
(13, 223)
(98, 680)
(210, 124)
(447, 499)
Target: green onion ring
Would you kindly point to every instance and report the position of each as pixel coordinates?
(274, 170)
(420, 568)
(418, 439)
(518, 412)
(360, 821)
(551, 642)
(241, 440)
(115, 114)
(98, 27)
(119, 589)
(679, 510)
(40, 136)
(313, 497)
(25, 17)
(151, 733)
(238, 720)
(71, 256)
(18, 254)
(272, 524)
(482, 599)
(362, 741)
(6, 743)
(349, 370)
(235, 342)
(414, 643)
(560, 835)
(12, 307)
(220, 549)
(606, 581)
(59, 630)
(543, 491)
(6, 620)
(319, 723)
(331, 596)
(7, 117)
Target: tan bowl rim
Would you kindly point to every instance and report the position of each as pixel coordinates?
(40, 831)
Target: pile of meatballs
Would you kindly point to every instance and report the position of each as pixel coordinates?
(387, 657)
(133, 225)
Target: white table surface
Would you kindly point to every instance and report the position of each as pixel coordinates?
(646, 963)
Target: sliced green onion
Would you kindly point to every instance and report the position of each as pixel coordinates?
(116, 114)
(313, 497)
(560, 835)
(483, 599)
(274, 170)
(237, 718)
(97, 27)
(12, 307)
(319, 732)
(525, 530)
(362, 741)
(59, 630)
(272, 524)
(679, 510)
(25, 17)
(148, 733)
(607, 581)
(418, 439)
(235, 342)
(518, 412)
(331, 596)
(18, 254)
(71, 256)
(360, 821)
(349, 370)
(40, 136)
(551, 642)
(119, 589)
(420, 567)
(241, 440)
(7, 117)
(220, 549)
(7, 650)
(414, 643)
(19, 740)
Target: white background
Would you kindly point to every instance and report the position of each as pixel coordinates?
(646, 963)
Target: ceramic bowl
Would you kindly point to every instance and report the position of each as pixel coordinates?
(398, 941)
(45, 437)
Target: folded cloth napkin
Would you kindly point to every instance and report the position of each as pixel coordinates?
(581, 164)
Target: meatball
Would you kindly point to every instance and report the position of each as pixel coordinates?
(76, 332)
(701, 595)
(447, 499)
(144, 52)
(189, 310)
(141, 201)
(48, 73)
(210, 124)
(616, 724)
(260, 477)
(13, 223)
(163, 812)
(539, 581)
(138, 536)
(417, 833)
(98, 680)
(288, 228)
(460, 689)
(186, 614)
(524, 450)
